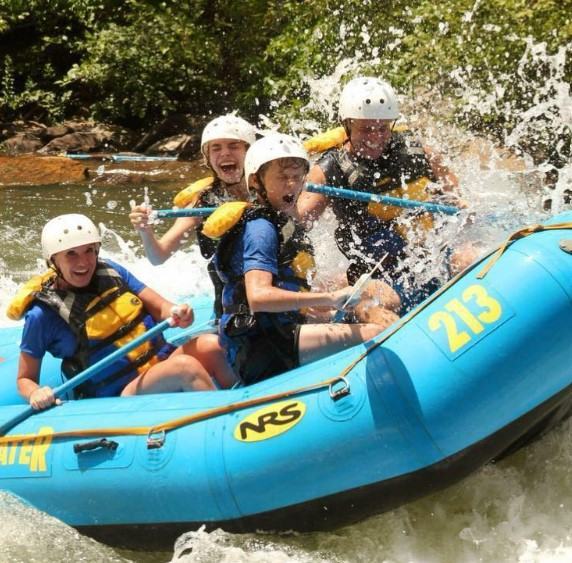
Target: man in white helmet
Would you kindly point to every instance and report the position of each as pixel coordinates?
(266, 263)
(83, 308)
(224, 142)
(378, 159)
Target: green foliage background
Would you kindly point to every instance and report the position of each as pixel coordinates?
(132, 62)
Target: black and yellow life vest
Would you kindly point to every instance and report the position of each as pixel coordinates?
(295, 253)
(403, 171)
(103, 317)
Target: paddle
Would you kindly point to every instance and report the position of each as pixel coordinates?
(90, 372)
(332, 192)
(377, 198)
(192, 212)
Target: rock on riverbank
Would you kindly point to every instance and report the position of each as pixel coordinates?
(46, 170)
(33, 153)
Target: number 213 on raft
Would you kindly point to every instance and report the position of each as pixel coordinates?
(465, 320)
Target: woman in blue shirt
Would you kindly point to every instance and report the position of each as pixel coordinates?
(83, 308)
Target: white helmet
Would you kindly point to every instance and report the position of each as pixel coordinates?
(67, 231)
(368, 98)
(272, 147)
(228, 126)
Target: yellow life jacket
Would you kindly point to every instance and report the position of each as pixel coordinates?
(191, 194)
(224, 218)
(103, 319)
(408, 160)
(26, 294)
(326, 140)
(415, 190)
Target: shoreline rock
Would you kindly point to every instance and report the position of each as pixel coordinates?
(177, 135)
(32, 153)
(34, 169)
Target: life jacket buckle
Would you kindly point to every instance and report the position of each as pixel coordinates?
(155, 439)
(338, 393)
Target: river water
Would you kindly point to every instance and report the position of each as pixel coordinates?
(519, 510)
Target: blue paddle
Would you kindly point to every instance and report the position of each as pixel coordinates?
(192, 212)
(377, 198)
(90, 372)
(332, 192)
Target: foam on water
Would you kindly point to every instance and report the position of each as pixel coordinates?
(30, 536)
(517, 510)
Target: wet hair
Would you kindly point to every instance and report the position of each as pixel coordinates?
(284, 163)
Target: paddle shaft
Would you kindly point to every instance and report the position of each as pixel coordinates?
(327, 191)
(192, 212)
(377, 198)
(90, 372)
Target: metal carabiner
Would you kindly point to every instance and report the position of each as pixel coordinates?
(154, 443)
(336, 394)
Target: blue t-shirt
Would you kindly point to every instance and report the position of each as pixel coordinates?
(45, 331)
(258, 249)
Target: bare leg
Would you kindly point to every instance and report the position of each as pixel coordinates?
(208, 350)
(379, 304)
(179, 372)
(320, 340)
(462, 257)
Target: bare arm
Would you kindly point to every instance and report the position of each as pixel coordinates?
(310, 206)
(160, 308)
(28, 383)
(264, 297)
(444, 175)
(159, 250)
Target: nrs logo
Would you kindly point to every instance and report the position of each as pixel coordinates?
(270, 421)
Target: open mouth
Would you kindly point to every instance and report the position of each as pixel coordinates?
(80, 274)
(288, 198)
(229, 168)
(372, 146)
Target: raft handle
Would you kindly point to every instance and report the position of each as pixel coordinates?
(336, 394)
(94, 445)
(154, 443)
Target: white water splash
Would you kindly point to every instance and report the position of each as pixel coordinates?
(30, 536)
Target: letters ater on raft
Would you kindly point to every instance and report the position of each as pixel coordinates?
(463, 379)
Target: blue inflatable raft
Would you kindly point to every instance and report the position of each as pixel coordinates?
(478, 370)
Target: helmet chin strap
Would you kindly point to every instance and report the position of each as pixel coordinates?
(347, 129)
(51, 264)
